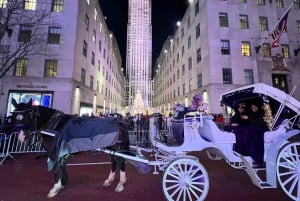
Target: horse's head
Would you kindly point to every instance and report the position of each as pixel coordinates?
(23, 116)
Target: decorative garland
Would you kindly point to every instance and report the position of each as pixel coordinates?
(268, 117)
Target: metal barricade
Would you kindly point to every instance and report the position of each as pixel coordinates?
(15, 146)
(139, 138)
(3, 147)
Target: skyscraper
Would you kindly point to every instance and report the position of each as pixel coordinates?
(139, 51)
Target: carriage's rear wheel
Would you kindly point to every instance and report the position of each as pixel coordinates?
(288, 169)
(185, 179)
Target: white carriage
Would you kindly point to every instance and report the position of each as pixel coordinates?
(185, 178)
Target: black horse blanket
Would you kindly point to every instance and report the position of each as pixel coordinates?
(83, 134)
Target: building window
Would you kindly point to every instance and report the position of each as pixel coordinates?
(223, 19)
(95, 14)
(244, 22)
(183, 88)
(54, 35)
(57, 6)
(199, 80)
(3, 3)
(84, 48)
(178, 91)
(98, 86)
(94, 36)
(99, 66)
(82, 76)
(182, 50)
(183, 69)
(91, 81)
(298, 25)
(198, 55)
(182, 32)
(190, 63)
(243, 1)
(87, 22)
(93, 58)
(189, 42)
(225, 47)
(25, 33)
(188, 22)
(297, 4)
(261, 2)
(227, 76)
(100, 46)
(197, 31)
(263, 24)
(190, 85)
(196, 8)
(266, 50)
(21, 67)
(246, 49)
(248, 76)
(178, 74)
(50, 68)
(285, 51)
(279, 3)
(29, 4)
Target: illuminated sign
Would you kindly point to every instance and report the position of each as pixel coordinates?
(25, 86)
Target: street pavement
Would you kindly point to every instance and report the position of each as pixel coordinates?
(26, 179)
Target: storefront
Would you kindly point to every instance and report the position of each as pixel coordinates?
(44, 98)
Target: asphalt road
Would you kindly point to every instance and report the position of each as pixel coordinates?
(27, 179)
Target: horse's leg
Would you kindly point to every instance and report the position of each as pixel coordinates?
(60, 178)
(112, 173)
(121, 165)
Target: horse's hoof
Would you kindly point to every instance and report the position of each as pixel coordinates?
(107, 182)
(55, 190)
(120, 187)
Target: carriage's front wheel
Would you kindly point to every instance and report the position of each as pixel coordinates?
(288, 169)
(185, 179)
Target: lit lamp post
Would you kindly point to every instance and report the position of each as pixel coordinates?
(104, 102)
(186, 101)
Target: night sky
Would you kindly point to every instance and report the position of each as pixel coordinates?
(165, 14)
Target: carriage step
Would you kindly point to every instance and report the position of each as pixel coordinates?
(266, 185)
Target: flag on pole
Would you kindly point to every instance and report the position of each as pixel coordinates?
(281, 26)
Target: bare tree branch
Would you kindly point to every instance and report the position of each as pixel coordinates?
(12, 17)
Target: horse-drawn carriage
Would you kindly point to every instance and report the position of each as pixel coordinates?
(185, 178)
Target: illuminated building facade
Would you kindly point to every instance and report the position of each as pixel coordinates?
(77, 68)
(220, 45)
(139, 51)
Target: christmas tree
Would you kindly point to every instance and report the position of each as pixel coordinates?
(138, 104)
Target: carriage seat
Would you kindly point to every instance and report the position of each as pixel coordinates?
(269, 136)
(178, 130)
(212, 133)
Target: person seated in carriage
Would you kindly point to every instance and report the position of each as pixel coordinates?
(249, 127)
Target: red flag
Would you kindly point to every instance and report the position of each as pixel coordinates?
(279, 29)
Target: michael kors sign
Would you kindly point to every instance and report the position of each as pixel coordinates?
(25, 86)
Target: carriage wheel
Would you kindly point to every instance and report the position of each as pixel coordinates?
(288, 169)
(185, 179)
